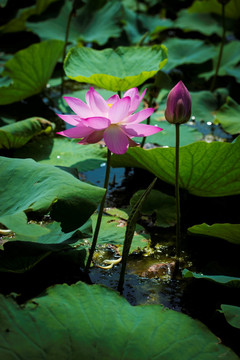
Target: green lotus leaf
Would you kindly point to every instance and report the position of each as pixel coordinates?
(113, 228)
(30, 70)
(92, 322)
(203, 23)
(187, 51)
(127, 67)
(137, 25)
(64, 152)
(18, 23)
(232, 314)
(229, 232)
(90, 24)
(163, 205)
(29, 186)
(232, 8)
(19, 133)
(228, 116)
(166, 137)
(221, 279)
(206, 169)
(230, 58)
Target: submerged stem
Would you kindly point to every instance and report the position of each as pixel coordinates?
(178, 234)
(100, 213)
(221, 48)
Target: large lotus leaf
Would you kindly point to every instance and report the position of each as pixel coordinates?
(229, 116)
(221, 279)
(19, 257)
(64, 152)
(113, 228)
(30, 70)
(137, 25)
(163, 205)
(90, 24)
(127, 67)
(167, 136)
(187, 51)
(229, 232)
(230, 58)
(232, 8)
(29, 186)
(206, 169)
(18, 134)
(92, 322)
(232, 314)
(203, 23)
(18, 23)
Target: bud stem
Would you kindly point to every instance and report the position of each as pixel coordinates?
(178, 234)
(100, 213)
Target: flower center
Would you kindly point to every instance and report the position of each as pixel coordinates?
(110, 105)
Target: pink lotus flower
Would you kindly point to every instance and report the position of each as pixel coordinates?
(179, 103)
(114, 120)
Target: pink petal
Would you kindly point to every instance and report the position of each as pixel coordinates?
(139, 116)
(93, 138)
(119, 111)
(97, 122)
(113, 99)
(116, 140)
(96, 103)
(70, 119)
(77, 132)
(78, 106)
(140, 129)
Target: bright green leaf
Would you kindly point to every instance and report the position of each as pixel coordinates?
(64, 152)
(187, 51)
(232, 314)
(229, 232)
(113, 228)
(30, 70)
(229, 116)
(206, 169)
(29, 186)
(92, 322)
(126, 66)
(19, 133)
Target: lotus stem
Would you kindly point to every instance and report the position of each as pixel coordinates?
(221, 49)
(72, 12)
(178, 233)
(100, 213)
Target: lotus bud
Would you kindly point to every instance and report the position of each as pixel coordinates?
(178, 110)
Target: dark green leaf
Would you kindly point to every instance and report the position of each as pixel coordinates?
(229, 232)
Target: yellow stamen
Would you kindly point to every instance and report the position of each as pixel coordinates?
(110, 105)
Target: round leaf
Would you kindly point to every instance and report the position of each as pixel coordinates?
(206, 169)
(127, 67)
(229, 232)
(30, 70)
(92, 322)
